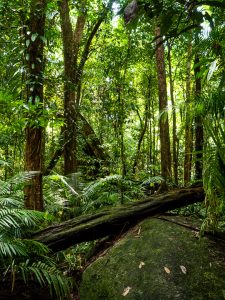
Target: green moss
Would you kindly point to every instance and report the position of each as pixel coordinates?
(160, 244)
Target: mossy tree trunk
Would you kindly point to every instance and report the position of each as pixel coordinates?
(115, 220)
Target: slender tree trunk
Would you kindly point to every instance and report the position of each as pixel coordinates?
(121, 140)
(143, 129)
(199, 138)
(175, 152)
(34, 131)
(163, 122)
(154, 139)
(188, 124)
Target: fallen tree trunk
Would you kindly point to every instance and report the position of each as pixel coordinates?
(115, 220)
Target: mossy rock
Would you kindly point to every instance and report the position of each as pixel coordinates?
(161, 260)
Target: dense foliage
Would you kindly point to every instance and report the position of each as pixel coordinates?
(97, 99)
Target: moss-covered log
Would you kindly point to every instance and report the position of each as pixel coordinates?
(115, 220)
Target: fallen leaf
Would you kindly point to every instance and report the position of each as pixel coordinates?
(141, 264)
(196, 234)
(167, 270)
(138, 232)
(126, 291)
(183, 269)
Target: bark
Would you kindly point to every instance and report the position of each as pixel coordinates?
(188, 124)
(34, 131)
(199, 138)
(114, 221)
(163, 122)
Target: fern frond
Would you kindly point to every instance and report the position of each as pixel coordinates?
(10, 202)
(20, 218)
(96, 186)
(46, 274)
(214, 169)
(12, 247)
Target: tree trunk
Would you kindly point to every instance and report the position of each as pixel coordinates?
(175, 148)
(73, 75)
(199, 138)
(143, 128)
(163, 122)
(70, 134)
(114, 221)
(188, 124)
(34, 131)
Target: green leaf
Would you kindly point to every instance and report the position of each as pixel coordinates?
(213, 67)
(27, 42)
(34, 36)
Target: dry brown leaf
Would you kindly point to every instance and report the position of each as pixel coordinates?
(126, 291)
(183, 269)
(167, 270)
(141, 264)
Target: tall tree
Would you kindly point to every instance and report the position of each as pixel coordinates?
(163, 121)
(34, 130)
(188, 138)
(73, 70)
(71, 42)
(199, 138)
(175, 139)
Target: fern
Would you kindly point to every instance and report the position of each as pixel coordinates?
(107, 192)
(45, 274)
(95, 187)
(21, 257)
(214, 169)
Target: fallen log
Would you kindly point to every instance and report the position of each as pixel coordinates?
(114, 220)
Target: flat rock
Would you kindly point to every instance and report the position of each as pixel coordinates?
(158, 259)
